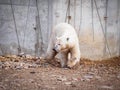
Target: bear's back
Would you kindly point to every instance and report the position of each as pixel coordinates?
(63, 28)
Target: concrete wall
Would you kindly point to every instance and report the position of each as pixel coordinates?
(25, 13)
(51, 12)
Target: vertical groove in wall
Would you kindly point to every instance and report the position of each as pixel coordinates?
(80, 26)
(68, 17)
(19, 47)
(50, 17)
(105, 18)
(75, 14)
(39, 37)
(107, 46)
(66, 12)
(118, 23)
(92, 18)
(2, 50)
(25, 27)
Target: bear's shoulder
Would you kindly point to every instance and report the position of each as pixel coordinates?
(64, 27)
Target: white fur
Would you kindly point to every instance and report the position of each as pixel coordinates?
(59, 35)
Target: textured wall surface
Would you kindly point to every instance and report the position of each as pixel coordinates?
(96, 22)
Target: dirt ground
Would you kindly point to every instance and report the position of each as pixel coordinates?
(19, 73)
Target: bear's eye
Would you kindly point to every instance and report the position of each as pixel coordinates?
(67, 39)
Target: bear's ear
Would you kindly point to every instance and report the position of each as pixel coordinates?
(67, 39)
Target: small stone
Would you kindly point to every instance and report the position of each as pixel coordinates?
(68, 83)
(107, 87)
(66, 68)
(28, 56)
(88, 77)
(18, 67)
(75, 79)
(32, 66)
(62, 78)
(118, 76)
(37, 62)
(31, 80)
(41, 58)
(7, 64)
(82, 79)
(22, 54)
(25, 67)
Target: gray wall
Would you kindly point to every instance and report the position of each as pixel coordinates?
(34, 29)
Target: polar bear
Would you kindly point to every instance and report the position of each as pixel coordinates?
(63, 41)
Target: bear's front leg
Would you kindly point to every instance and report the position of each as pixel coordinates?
(72, 62)
(75, 58)
(63, 59)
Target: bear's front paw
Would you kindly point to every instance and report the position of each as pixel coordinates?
(72, 62)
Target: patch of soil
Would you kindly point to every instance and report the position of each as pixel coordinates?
(21, 73)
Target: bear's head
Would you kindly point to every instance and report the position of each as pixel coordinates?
(61, 43)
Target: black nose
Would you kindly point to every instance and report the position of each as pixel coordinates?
(54, 50)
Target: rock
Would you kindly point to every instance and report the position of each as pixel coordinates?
(107, 87)
(28, 56)
(41, 58)
(32, 66)
(61, 78)
(22, 54)
(31, 80)
(1, 57)
(98, 77)
(68, 83)
(75, 79)
(82, 79)
(7, 64)
(18, 65)
(118, 76)
(88, 77)
(37, 62)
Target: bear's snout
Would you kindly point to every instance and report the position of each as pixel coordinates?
(57, 48)
(54, 50)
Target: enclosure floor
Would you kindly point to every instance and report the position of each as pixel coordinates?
(34, 74)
